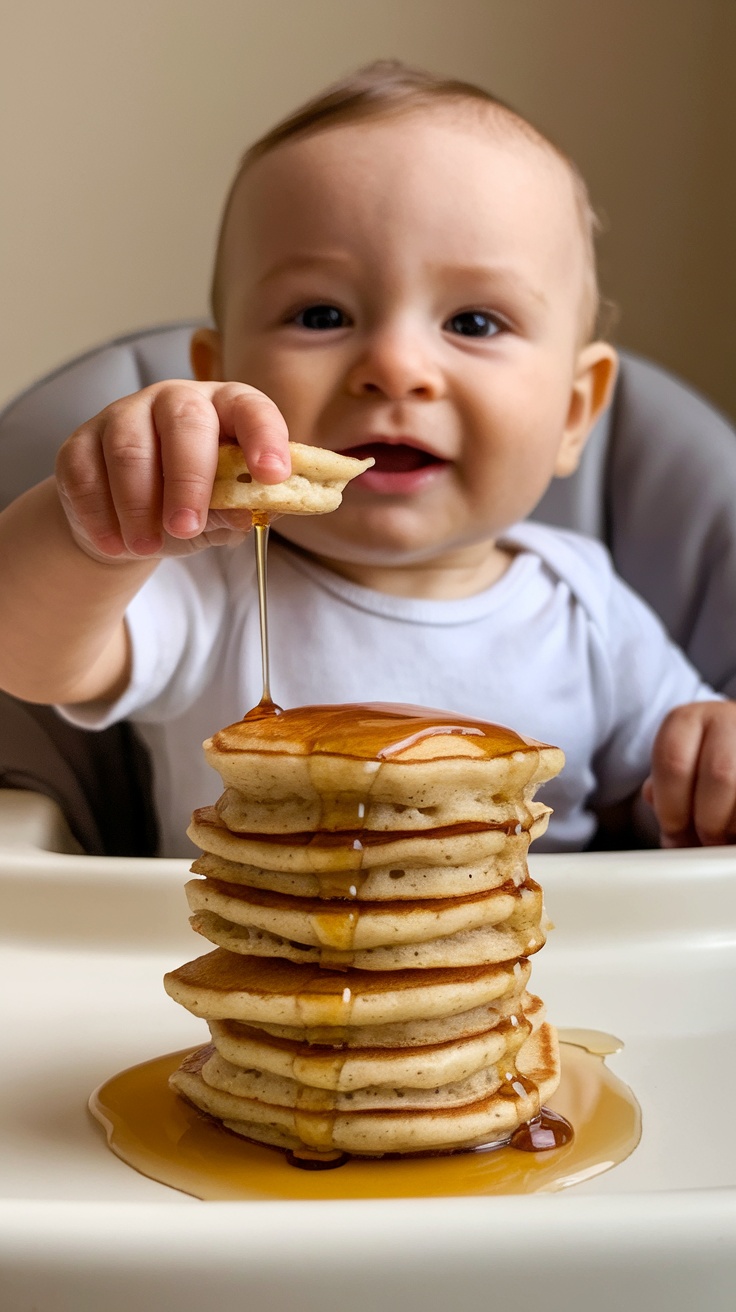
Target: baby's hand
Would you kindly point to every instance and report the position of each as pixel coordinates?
(135, 482)
(692, 786)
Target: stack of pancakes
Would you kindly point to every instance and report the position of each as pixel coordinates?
(364, 878)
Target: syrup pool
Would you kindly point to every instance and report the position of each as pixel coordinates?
(157, 1133)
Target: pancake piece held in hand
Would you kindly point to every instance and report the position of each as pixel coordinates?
(314, 487)
(364, 880)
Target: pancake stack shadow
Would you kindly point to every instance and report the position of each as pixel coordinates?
(364, 879)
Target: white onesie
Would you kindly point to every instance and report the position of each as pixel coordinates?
(559, 649)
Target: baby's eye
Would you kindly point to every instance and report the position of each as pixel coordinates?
(473, 323)
(320, 317)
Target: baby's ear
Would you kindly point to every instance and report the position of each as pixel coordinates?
(592, 389)
(205, 354)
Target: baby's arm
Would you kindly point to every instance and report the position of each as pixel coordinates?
(132, 486)
(692, 786)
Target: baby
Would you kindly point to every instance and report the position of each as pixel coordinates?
(405, 270)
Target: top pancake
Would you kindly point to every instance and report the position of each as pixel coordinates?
(352, 766)
(314, 486)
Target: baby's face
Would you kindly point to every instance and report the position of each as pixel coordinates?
(413, 289)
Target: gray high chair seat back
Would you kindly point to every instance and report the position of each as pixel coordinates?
(657, 484)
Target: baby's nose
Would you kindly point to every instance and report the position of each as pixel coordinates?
(397, 365)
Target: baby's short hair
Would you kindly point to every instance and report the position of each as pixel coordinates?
(388, 88)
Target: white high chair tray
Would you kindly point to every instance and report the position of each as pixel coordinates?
(644, 948)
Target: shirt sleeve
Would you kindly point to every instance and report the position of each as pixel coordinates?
(175, 624)
(642, 675)
(638, 674)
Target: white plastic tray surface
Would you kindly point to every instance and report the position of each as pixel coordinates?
(644, 947)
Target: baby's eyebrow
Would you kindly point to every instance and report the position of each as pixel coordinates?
(306, 262)
(501, 277)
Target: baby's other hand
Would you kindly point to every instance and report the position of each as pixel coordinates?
(135, 482)
(692, 787)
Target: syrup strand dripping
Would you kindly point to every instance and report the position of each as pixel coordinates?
(260, 527)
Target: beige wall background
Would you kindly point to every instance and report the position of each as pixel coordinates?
(122, 123)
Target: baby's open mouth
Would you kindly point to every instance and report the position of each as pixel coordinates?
(394, 457)
(401, 469)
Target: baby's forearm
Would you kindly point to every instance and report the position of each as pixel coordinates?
(63, 632)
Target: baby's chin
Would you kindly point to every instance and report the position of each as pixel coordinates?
(386, 544)
(379, 555)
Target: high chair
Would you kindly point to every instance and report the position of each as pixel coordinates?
(657, 484)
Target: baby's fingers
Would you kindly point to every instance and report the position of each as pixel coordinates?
(85, 493)
(257, 424)
(693, 780)
(187, 427)
(714, 799)
(130, 448)
(671, 786)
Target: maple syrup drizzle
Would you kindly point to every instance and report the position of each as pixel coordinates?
(266, 707)
(159, 1134)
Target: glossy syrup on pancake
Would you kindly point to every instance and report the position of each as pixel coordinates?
(376, 731)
